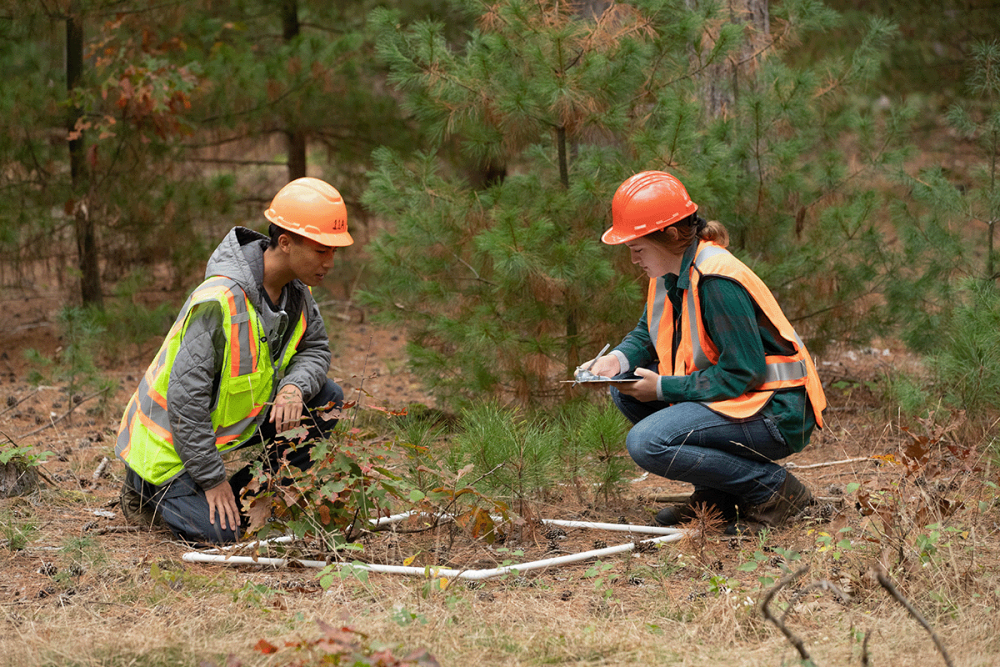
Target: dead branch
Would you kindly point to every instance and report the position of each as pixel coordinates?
(101, 469)
(347, 306)
(883, 579)
(864, 649)
(22, 400)
(795, 466)
(766, 610)
(73, 406)
(120, 529)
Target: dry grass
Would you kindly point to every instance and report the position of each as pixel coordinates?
(132, 602)
(75, 597)
(136, 623)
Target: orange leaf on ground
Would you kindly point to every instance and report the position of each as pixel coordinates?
(265, 647)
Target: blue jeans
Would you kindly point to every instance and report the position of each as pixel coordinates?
(690, 443)
(182, 503)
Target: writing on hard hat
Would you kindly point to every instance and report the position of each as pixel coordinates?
(311, 208)
(644, 203)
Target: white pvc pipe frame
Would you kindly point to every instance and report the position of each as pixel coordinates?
(668, 535)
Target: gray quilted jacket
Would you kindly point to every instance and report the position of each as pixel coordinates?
(194, 377)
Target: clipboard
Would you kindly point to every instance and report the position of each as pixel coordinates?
(601, 380)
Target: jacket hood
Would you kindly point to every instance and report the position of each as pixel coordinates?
(240, 257)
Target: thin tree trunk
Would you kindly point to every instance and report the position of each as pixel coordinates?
(721, 81)
(296, 138)
(990, 273)
(86, 240)
(572, 329)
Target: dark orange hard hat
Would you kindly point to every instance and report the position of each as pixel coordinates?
(311, 208)
(644, 203)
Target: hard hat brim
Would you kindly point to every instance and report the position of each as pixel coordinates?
(610, 237)
(337, 240)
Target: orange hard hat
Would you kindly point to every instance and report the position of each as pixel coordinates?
(311, 208)
(647, 202)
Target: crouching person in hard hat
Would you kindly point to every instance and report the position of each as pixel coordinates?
(725, 386)
(246, 359)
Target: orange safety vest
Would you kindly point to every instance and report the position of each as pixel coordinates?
(696, 350)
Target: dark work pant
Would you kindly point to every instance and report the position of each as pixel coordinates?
(690, 443)
(182, 503)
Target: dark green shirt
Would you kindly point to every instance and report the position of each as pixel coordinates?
(743, 336)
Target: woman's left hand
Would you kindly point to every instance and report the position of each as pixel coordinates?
(645, 389)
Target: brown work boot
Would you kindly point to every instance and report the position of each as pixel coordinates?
(672, 515)
(789, 500)
(136, 509)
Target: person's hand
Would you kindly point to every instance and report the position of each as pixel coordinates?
(221, 501)
(287, 409)
(645, 389)
(606, 366)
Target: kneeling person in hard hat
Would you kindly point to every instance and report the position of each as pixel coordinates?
(725, 386)
(247, 358)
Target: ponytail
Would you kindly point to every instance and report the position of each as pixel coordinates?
(713, 231)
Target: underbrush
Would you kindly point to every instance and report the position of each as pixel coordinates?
(913, 522)
(911, 538)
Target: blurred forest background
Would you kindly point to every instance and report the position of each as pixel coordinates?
(850, 147)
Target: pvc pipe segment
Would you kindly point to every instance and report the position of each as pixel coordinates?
(668, 535)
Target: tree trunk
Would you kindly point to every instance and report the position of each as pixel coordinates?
(86, 240)
(721, 81)
(296, 138)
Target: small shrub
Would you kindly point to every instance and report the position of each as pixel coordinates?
(967, 361)
(515, 457)
(593, 447)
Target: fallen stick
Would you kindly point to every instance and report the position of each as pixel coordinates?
(795, 466)
(765, 609)
(120, 529)
(22, 400)
(101, 468)
(883, 579)
(73, 406)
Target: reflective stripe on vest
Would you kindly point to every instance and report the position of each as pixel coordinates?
(696, 350)
(145, 439)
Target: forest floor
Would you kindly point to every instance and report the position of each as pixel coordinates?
(78, 589)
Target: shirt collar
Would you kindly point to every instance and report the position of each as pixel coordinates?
(684, 278)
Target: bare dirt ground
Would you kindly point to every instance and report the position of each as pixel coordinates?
(75, 513)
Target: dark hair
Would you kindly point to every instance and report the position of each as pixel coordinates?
(678, 236)
(274, 231)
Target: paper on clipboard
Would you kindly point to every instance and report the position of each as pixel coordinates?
(584, 376)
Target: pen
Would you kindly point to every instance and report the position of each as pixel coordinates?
(599, 355)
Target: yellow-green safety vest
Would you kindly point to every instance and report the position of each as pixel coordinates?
(145, 440)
